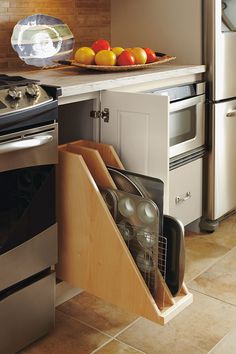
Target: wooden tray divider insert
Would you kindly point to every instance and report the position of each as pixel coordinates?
(92, 252)
(106, 151)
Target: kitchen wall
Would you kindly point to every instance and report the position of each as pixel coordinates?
(87, 19)
(169, 26)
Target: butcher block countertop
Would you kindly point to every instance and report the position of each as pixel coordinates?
(76, 81)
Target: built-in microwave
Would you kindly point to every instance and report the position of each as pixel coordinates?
(186, 117)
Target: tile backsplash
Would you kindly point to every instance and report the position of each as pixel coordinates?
(87, 19)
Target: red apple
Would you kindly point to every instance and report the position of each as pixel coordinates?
(151, 56)
(100, 44)
(125, 58)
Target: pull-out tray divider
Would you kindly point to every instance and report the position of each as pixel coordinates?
(92, 252)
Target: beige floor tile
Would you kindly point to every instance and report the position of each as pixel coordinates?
(200, 255)
(116, 347)
(219, 281)
(227, 345)
(224, 234)
(97, 313)
(69, 337)
(196, 330)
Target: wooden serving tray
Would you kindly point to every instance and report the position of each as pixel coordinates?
(116, 68)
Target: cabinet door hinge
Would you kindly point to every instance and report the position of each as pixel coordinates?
(101, 114)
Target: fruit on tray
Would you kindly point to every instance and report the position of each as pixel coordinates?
(100, 44)
(140, 55)
(117, 50)
(101, 53)
(126, 58)
(105, 58)
(151, 56)
(85, 55)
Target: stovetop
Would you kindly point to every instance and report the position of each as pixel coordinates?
(9, 81)
(19, 94)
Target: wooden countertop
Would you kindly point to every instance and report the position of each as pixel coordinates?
(76, 81)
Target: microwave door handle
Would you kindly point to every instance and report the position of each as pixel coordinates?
(25, 143)
(177, 106)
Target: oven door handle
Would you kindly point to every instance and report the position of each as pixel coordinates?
(25, 143)
(177, 106)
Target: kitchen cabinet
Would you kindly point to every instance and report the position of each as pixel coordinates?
(92, 252)
(138, 128)
(138, 123)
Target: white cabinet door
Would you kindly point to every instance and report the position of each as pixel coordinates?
(138, 128)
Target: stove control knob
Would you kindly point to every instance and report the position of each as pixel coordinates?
(32, 90)
(14, 93)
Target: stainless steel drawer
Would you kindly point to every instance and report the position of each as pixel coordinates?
(185, 193)
(38, 253)
(27, 314)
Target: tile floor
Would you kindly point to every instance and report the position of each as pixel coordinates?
(86, 325)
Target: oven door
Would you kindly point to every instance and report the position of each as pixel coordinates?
(186, 125)
(27, 185)
(27, 148)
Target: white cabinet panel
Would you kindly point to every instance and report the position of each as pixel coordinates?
(134, 144)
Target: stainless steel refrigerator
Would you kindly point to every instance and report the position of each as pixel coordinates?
(220, 58)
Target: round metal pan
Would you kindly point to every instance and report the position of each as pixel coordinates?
(124, 183)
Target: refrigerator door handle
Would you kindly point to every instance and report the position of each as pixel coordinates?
(231, 113)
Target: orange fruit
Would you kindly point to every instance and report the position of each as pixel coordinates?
(105, 58)
(117, 50)
(85, 55)
(140, 55)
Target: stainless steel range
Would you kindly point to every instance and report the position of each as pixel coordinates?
(28, 231)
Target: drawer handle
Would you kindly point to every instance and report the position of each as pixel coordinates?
(179, 200)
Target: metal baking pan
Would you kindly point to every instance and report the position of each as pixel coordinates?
(173, 230)
(137, 218)
(145, 186)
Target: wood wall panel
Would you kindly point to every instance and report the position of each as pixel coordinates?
(87, 19)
